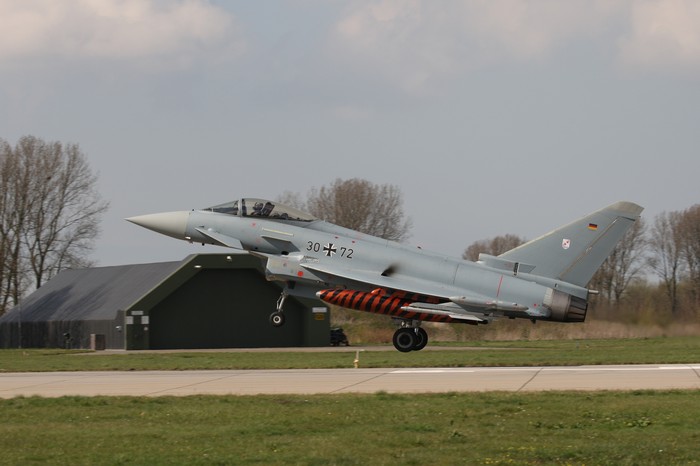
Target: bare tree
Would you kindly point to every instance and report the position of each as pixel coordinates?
(358, 204)
(292, 199)
(494, 246)
(16, 204)
(623, 265)
(689, 230)
(9, 237)
(50, 211)
(665, 249)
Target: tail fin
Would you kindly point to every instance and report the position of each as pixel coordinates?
(574, 252)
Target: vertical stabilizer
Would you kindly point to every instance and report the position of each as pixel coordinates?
(574, 252)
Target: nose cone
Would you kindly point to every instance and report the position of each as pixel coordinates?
(167, 223)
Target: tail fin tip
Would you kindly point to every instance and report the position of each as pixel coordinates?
(632, 210)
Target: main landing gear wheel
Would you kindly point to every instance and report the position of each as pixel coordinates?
(410, 339)
(277, 319)
(404, 339)
(421, 339)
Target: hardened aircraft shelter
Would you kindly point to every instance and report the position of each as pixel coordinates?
(204, 301)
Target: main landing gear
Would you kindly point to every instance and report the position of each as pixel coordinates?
(410, 338)
(277, 318)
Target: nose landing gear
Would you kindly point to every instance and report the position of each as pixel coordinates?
(277, 318)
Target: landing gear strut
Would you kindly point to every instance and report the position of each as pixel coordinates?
(410, 338)
(277, 318)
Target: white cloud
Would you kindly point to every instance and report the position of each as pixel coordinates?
(394, 38)
(411, 43)
(517, 30)
(663, 33)
(113, 29)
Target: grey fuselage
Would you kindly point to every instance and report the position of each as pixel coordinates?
(317, 255)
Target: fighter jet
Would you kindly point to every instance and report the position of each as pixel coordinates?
(543, 279)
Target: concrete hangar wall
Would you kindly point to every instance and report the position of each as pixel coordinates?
(204, 301)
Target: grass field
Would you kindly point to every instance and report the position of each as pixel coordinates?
(567, 428)
(615, 428)
(513, 353)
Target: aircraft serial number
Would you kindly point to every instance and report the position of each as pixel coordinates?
(330, 249)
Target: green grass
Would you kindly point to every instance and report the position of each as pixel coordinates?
(501, 353)
(615, 428)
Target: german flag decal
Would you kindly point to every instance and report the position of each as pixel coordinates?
(592, 226)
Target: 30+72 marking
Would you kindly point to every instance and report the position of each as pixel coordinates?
(330, 249)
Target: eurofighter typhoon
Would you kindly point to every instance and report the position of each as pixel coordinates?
(543, 279)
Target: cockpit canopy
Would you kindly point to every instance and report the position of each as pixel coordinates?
(252, 207)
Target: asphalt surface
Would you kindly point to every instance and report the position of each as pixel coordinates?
(329, 381)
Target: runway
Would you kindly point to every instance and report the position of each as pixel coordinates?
(334, 381)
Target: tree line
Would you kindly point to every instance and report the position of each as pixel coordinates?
(649, 281)
(667, 249)
(658, 260)
(49, 214)
(374, 209)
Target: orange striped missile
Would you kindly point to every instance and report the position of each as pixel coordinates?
(383, 301)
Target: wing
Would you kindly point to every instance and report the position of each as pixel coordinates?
(427, 300)
(376, 279)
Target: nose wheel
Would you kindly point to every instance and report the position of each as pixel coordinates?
(277, 318)
(410, 339)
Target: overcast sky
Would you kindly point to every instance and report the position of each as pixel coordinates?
(492, 117)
